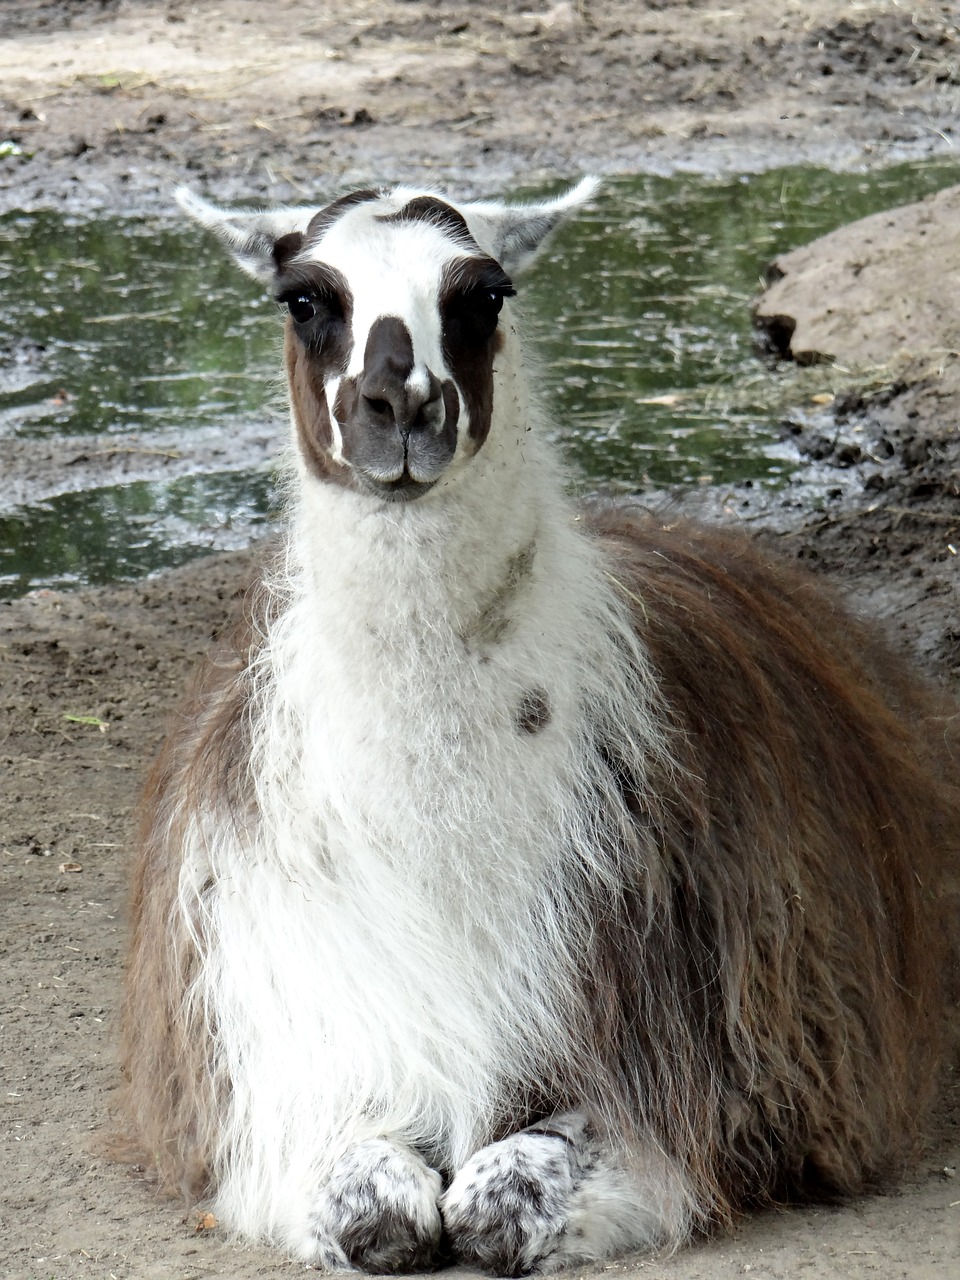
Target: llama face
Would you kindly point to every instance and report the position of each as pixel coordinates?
(394, 329)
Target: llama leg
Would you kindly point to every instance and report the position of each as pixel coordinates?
(378, 1212)
(553, 1195)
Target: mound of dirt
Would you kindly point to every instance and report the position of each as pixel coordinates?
(881, 295)
(872, 291)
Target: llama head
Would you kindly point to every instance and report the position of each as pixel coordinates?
(394, 302)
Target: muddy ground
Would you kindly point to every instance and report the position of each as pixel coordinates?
(112, 105)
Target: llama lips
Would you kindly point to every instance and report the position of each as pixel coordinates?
(404, 489)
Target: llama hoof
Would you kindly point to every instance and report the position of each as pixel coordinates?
(506, 1210)
(379, 1212)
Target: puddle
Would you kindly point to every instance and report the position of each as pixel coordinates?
(140, 407)
(127, 531)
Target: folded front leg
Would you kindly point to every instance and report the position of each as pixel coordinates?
(377, 1213)
(553, 1195)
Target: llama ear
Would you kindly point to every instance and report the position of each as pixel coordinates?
(261, 242)
(515, 232)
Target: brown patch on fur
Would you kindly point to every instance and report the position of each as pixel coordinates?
(774, 1017)
(471, 338)
(438, 214)
(494, 613)
(285, 249)
(313, 353)
(322, 221)
(310, 411)
(533, 714)
(451, 402)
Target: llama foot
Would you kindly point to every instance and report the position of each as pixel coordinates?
(378, 1213)
(507, 1209)
(554, 1195)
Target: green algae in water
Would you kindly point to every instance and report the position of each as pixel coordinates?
(76, 537)
(139, 322)
(638, 311)
(647, 297)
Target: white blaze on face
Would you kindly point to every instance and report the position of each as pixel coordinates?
(331, 387)
(393, 269)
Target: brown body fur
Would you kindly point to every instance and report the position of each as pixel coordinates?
(803, 848)
(795, 924)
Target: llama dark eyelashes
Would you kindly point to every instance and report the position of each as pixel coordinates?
(305, 305)
(509, 821)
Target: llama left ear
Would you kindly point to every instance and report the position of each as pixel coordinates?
(516, 232)
(259, 241)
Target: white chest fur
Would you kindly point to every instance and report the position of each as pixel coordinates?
(390, 946)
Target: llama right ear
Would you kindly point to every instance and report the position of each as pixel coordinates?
(515, 232)
(261, 242)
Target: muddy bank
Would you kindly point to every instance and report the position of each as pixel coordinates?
(870, 293)
(878, 498)
(114, 104)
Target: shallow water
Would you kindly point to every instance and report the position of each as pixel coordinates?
(139, 337)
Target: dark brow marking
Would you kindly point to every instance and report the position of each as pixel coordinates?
(314, 277)
(321, 222)
(439, 214)
(476, 273)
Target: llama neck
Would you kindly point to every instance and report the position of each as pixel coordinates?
(440, 679)
(453, 561)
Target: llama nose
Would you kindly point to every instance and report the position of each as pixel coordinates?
(408, 404)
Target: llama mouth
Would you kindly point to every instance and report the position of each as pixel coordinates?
(404, 489)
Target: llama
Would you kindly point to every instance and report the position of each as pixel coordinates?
(523, 884)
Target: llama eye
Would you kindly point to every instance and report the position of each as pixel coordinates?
(305, 305)
(475, 311)
(302, 307)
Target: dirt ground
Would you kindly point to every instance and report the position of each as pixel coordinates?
(106, 104)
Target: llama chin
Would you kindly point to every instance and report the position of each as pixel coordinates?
(525, 883)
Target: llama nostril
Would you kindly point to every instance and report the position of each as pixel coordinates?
(429, 413)
(382, 408)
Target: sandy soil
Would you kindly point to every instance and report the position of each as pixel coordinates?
(114, 104)
(118, 102)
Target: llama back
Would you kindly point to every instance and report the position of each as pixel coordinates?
(805, 844)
